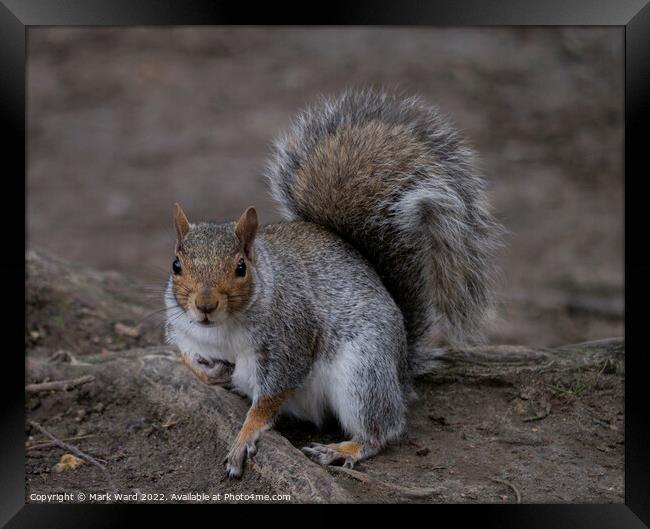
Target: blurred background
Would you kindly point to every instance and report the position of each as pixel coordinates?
(123, 122)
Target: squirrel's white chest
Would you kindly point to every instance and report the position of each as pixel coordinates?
(229, 342)
(216, 343)
(223, 343)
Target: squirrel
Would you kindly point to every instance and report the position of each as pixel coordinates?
(385, 252)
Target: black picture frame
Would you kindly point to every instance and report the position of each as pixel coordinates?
(16, 16)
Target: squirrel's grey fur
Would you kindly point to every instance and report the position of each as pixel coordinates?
(407, 195)
(387, 241)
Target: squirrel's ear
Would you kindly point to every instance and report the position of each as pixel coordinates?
(181, 224)
(246, 229)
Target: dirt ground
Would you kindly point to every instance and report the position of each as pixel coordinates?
(551, 431)
(123, 123)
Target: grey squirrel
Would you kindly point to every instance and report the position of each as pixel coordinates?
(385, 253)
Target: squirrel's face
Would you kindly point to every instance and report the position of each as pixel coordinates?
(212, 271)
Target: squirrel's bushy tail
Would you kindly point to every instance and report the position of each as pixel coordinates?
(389, 175)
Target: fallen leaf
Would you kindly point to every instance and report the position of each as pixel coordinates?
(170, 421)
(125, 330)
(68, 461)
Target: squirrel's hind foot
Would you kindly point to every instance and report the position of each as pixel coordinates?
(345, 454)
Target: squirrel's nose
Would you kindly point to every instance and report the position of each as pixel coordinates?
(206, 306)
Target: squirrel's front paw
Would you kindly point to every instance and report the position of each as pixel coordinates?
(235, 459)
(208, 371)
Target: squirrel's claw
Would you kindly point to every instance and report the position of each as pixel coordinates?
(326, 455)
(235, 459)
(233, 473)
(234, 462)
(210, 372)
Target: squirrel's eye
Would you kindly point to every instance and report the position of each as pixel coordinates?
(176, 266)
(241, 268)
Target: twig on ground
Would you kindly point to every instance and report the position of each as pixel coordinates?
(508, 484)
(539, 416)
(77, 452)
(59, 385)
(48, 444)
(412, 492)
